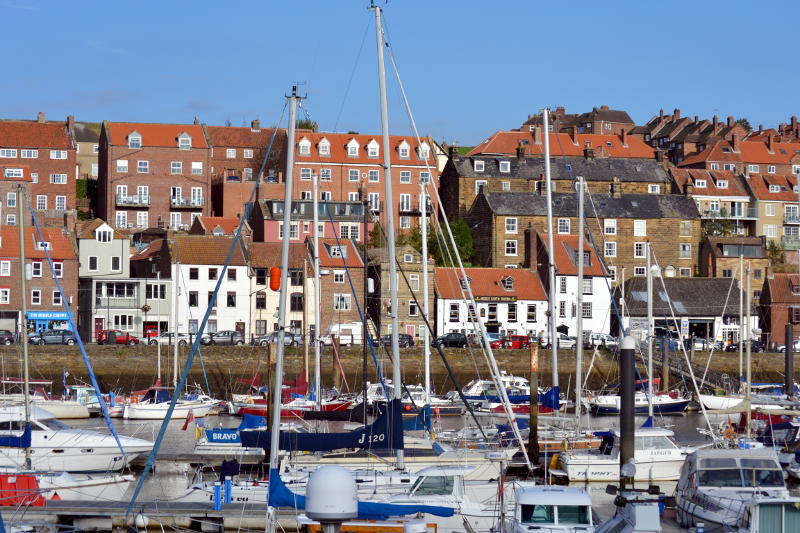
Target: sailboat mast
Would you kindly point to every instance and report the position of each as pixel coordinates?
(317, 356)
(23, 333)
(579, 311)
(275, 426)
(551, 303)
(176, 344)
(748, 352)
(390, 245)
(423, 224)
(158, 327)
(650, 331)
(741, 315)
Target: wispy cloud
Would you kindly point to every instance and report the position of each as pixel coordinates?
(21, 7)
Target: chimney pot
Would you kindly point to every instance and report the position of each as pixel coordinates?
(714, 123)
(760, 128)
(661, 114)
(40, 117)
(604, 107)
(196, 121)
(255, 124)
(676, 114)
(730, 122)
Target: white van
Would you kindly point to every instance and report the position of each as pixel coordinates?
(347, 334)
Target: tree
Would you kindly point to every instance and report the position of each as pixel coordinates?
(306, 124)
(412, 237)
(463, 238)
(376, 239)
(743, 122)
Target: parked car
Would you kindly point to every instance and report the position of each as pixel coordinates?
(227, 337)
(115, 336)
(755, 346)
(702, 344)
(53, 336)
(564, 341)
(289, 339)
(404, 339)
(347, 334)
(659, 342)
(168, 338)
(451, 340)
(590, 340)
(7, 337)
(795, 347)
(517, 342)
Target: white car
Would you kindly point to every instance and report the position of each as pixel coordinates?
(184, 339)
(564, 341)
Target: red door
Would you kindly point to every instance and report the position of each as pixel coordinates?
(98, 326)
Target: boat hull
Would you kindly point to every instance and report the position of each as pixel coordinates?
(158, 411)
(593, 468)
(664, 408)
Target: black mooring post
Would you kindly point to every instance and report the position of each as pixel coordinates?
(789, 361)
(626, 414)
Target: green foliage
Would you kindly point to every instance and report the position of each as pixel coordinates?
(774, 253)
(82, 188)
(743, 122)
(463, 237)
(376, 239)
(306, 124)
(412, 237)
(84, 215)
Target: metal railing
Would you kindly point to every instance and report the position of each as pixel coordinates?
(133, 199)
(790, 242)
(791, 219)
(749, 212)
(187, 202)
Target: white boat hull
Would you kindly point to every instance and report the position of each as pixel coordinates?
(158, 411)
(594, 468)
(111, 488)
(63, 409)
(717, 403)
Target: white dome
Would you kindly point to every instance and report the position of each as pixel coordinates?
(331, 495)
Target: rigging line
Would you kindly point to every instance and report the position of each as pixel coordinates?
(235, 241)
(487, 349)
(439, 349)
(724, 307)
(355, 296)
(352, 74)
(199, 351)
(683, 348)
(98, 393)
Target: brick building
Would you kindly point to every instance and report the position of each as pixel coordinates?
(600, 120)
(748, 157)
(44, 300)
(780, 305)
(153, 174)
(719, 258)
(203, 225)
(47, 148)
(237, 154)
(11, 177)
(410, 310)
(463, 177)
(722, 198)
(620, 225)
(778, 208)
(87, 148)
(336, 219)
(337, 299)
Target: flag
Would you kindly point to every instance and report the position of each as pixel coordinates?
(197, 432)
(189, 420)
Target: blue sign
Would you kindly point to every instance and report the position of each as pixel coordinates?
(47, 315)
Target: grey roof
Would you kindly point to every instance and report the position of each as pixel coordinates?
(599, 169)
(87, 132)
(691, 297)
(606, 206)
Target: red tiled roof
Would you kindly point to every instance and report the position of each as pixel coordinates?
(506, 142)
(780, 288)
(352, 259)
(33, 134)
(566, 256)
(339, 142)
(759, 184)
(87, 230)
(241, 137)
(151, 250)
(755, 152)
(206, 250)
(165, 135)
(227, 224)
(487, 282)
(683, 176)
(60, 243)
(268, 254)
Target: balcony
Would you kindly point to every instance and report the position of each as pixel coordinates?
(134, 200)
(187, 203)
(749, 213)
(412, 211)
(790, 242)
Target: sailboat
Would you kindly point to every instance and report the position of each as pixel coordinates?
(58, 407)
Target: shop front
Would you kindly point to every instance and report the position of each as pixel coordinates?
(44, 320)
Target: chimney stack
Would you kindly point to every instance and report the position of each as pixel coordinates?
(624, 137)
(574, 135)
(520, 150)
(604, 107)
(588, 151)
(760, 128)
(793, 121)
(196, 121)
(714, 123)
(689, 191)
(255, 124)
(71, 124)
(452, 151)
(616, 187)
(661, 114)
(537, 134)
(735, 143)
(769, 144)
(696, 119)
(676, 114)
(40, 117)
(730, 122)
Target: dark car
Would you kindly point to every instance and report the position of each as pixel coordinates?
(755, 346)
(115, 336)
(53, 336)
(404, 340)
(451, 340)
(228, 337)
(7, 337)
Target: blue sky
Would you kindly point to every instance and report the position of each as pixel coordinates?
(469, 67)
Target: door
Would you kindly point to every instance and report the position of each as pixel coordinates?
(98, 326)
(240, 328)
(122, 193)
(175, 220)
(175, 195)
(143, 192)
(197, 196)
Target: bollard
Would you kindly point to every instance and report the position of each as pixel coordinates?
(217, 496)
(227, 492)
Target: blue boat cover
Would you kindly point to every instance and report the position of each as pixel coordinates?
(386, 432)
(252, 421)
(648, 423)
(546, 399)
(281, 496)
(421, 421)
(23, 441)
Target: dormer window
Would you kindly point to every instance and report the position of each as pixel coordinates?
(774, 188)
(464, 283)
(336, 251)
(403, 150)
(372, 149)
(304, 146)
(324, 147)
(424, 151)
(103, 235)
(352, 148)
(700, 184)
(726, 150)
(505, 167)
(184, 141)
(508, 283)
(43, 245)
(12, 172)
(134, 140)
(478, 165)
(722, 184)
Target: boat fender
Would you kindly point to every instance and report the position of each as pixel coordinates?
(729, 433)
(554, 460)
(564, 446)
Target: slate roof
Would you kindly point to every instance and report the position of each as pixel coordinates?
(60, 243)
(87, 231)
(163, 135)
(780, 288)
(602, 169)
(562, 144)
(487, 282)
(268, 254)
(87, 132)
(207, 250)
(691, 297)
(683, 176)
(33, 134)
(759, 184)
(642, 206)
(566, 256)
